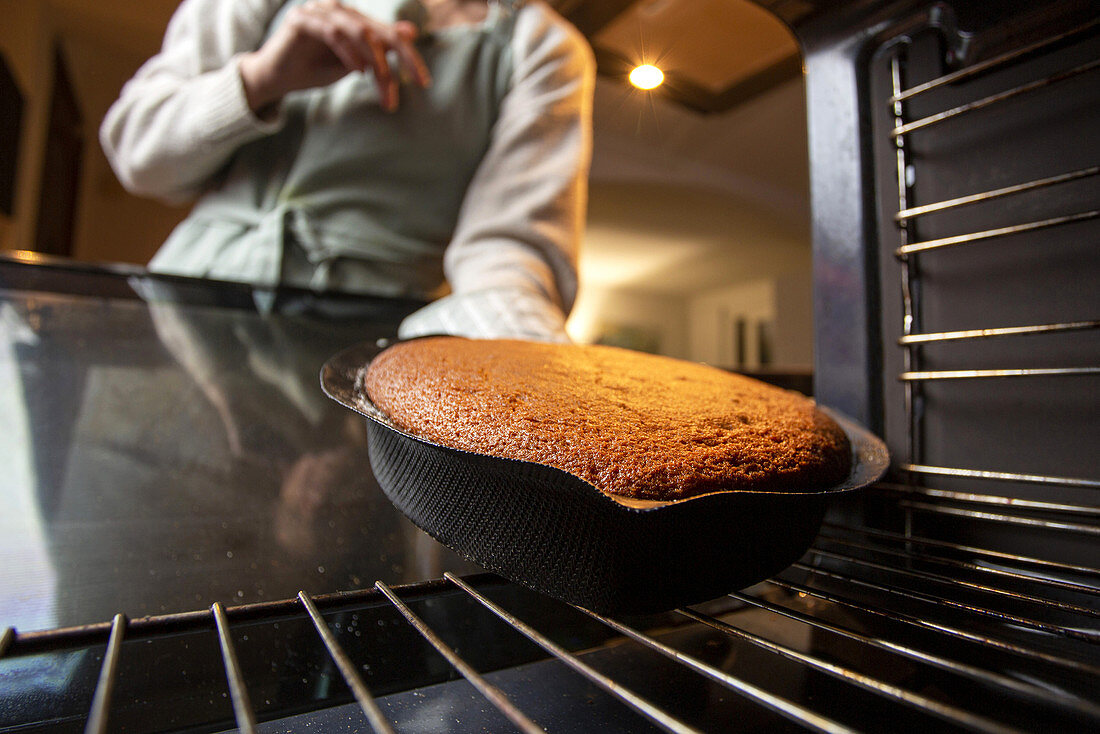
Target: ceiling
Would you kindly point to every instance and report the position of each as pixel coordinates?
(715, 53)
(131, 29)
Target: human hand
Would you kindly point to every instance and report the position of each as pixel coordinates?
(512, 312)
(322, 41)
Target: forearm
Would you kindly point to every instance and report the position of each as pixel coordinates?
(523, 216)
(184, 113)
(512, 262)
(168, 140)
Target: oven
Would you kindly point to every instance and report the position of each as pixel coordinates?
(955, 174)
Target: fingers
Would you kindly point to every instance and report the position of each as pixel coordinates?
(363, 44)
(411, 60)
(348, 35)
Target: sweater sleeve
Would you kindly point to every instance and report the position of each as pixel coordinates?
(184, 113)
(523, 215)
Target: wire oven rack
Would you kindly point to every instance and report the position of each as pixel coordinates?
(917, 608)
(884, 643)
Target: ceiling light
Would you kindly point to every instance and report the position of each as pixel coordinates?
(646, 76)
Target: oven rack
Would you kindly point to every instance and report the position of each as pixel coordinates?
(856, 596)
(912, 340)
(957, 546)
(907, 214)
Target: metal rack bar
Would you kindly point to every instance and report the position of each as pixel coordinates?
(40, 641)
(943, 336)
(910, 272)
(949, 581)
(347, 668)
(944, 711)
(979, 675)
(1086, 635)
(995, 499)
(1001, 518)
(995, 98)
(242, 707)
(790, 710)
(625, 695)
(494, 695)
(985, 374)
(989, 234)
(1053, 566)
(965, 566)
(105, 686)
(928, 625)
(918, 211)
(993, 63)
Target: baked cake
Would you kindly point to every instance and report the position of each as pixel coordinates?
(632, 424)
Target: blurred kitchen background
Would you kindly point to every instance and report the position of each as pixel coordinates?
(698, 242)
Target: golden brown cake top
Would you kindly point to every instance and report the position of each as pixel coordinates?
(631, 424)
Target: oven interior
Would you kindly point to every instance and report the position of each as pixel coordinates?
(956, 303)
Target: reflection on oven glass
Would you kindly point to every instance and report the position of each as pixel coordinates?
(160, 457)
(27, 568)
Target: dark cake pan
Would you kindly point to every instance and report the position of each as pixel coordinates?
(555, 533)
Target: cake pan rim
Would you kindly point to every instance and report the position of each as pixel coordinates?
(870, 457)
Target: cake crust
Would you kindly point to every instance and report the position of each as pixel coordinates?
(631, 424)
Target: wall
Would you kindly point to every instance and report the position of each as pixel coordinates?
(714, 317)
(638, 320)
(112, 225)
(101, 55)
(783, 305)
(24, 42)
(794, 307)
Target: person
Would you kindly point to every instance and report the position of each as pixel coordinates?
(434, 151)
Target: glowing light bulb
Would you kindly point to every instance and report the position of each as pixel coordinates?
(646, 76)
